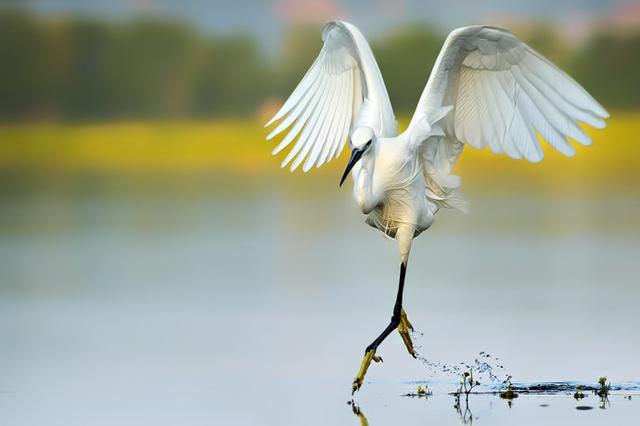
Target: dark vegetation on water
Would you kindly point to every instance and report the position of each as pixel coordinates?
(509, 391)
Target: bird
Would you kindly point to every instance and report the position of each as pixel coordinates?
(486, 88)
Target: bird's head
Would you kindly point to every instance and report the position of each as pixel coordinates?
(359, 143)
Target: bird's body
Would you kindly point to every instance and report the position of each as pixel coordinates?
(390, 189)
(487, 88)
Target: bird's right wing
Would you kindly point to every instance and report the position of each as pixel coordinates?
(342, 90)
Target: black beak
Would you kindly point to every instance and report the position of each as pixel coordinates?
(356, 154)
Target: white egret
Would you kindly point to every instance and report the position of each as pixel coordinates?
(486, 88)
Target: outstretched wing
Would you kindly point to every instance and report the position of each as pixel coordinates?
(342, 90)
(502, 93)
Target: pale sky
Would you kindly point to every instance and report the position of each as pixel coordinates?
(267, 19)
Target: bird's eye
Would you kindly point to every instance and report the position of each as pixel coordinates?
(368, 143)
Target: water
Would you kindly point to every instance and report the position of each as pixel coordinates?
(118, 309)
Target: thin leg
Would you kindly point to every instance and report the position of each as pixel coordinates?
(398, 320)
(397, 310)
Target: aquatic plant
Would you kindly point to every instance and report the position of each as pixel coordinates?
(508, 392)
(467, 383)
(603, 390)
(424, 391)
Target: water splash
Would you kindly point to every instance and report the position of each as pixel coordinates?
(490, 371)
(486, 367)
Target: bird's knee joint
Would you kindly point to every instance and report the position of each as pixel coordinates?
(395, 319)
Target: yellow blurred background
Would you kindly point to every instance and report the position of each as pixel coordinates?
(237, 147)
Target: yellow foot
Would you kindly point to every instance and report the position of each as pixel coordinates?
(404, 328)
(366, 361)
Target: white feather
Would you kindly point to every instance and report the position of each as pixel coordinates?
(325, 108)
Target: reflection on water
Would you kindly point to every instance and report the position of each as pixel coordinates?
(359, 414)
(173, 309)
(466, 416)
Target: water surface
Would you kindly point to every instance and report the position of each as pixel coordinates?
(202, 310)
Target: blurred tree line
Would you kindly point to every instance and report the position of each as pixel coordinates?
(82, 69)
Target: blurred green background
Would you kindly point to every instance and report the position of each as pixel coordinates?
(140, 209)
(147, 88)
(87, 68)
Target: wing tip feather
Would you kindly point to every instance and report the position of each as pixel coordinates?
(271, 135)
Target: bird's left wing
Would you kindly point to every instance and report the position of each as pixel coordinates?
(501, 92)
(342, 89)
(489, 88)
